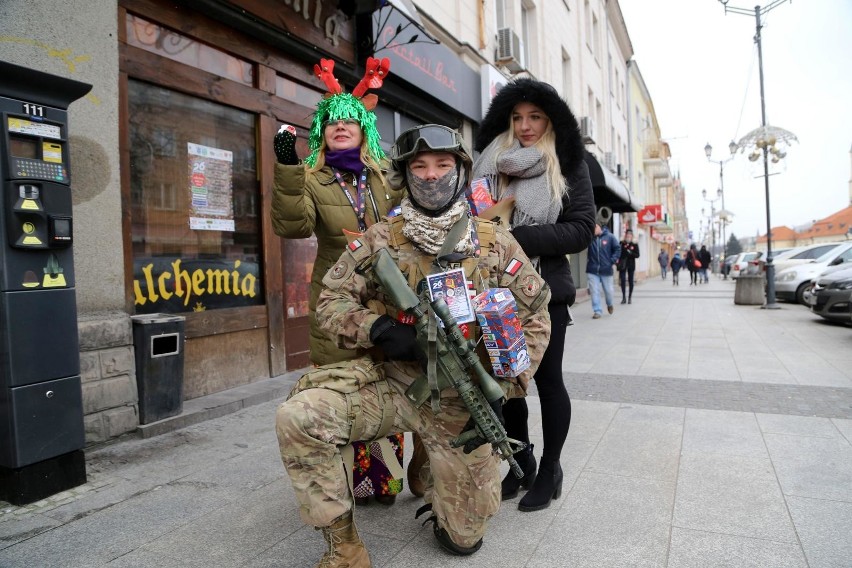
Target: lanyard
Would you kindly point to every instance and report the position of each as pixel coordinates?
(359, 202)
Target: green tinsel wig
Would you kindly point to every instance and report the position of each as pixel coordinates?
(338, 107)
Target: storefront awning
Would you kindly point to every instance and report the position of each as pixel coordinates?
(609, 190)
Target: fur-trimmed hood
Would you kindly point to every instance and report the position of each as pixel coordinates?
(569, 142)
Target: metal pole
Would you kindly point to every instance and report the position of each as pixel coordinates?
(770, 267)
(712, 234)
(722, 221)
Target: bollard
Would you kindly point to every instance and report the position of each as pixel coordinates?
(749, 290)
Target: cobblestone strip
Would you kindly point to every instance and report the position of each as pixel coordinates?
(795, 400)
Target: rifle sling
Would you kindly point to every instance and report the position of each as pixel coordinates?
(453, 237)
(432, 364)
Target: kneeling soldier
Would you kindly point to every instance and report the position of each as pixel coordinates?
(333, 406)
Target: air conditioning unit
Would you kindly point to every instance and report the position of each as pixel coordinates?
(609, 161)
(510, 50)
(587, 129)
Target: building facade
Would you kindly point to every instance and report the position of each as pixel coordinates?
(173, 167)
(173, 163)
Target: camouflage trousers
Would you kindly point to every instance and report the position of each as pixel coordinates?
(313, 426)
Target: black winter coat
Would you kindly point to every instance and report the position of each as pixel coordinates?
(574, 229)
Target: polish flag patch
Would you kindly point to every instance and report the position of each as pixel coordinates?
(513, 266)
(355, 245)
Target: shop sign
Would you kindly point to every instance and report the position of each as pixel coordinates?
(491, 83)
(318, 22)
(432, 68)
(173, 285)
(651, 214)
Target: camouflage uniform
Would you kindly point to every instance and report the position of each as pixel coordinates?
(314, 424)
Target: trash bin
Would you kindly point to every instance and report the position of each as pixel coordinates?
(158, 341)
(749, 290)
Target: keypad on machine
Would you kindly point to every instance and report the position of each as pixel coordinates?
(27, 168)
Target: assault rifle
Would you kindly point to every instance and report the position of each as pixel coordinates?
(453, 358)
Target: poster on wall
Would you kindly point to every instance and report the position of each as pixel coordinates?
(211, 188)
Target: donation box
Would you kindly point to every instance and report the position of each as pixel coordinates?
(41, 405)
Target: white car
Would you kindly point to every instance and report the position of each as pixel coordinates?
(802, 255)
(791, 282)
(745, 263)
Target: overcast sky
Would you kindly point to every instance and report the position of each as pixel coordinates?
(701, 68)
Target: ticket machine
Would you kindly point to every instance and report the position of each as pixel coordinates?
(41, 403)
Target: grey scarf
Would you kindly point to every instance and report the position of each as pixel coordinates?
(428, 233)
(528, 182)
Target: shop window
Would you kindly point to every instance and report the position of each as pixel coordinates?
(299, 255)
(167, 43)
(194, 208)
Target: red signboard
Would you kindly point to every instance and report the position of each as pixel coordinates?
(651, 214)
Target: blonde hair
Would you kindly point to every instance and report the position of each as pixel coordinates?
(366, 158)
(547, 146)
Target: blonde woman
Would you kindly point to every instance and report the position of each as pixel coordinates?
(532, 152)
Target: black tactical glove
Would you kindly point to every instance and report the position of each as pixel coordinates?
(285, 146)
(397, 340)
(497, 407)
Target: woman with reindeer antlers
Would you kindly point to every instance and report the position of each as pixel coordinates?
(337, 193)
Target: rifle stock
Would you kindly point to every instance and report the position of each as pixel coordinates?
(456, 359)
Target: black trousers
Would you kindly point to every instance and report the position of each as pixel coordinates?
(628, 276)
(555, 402)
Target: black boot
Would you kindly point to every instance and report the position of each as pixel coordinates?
(547, 486)
(511, 484)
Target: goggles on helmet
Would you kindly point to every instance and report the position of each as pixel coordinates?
(431, 137)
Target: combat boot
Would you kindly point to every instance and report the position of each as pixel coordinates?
(345, 549)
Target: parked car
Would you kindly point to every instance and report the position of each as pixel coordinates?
(802, 255)
(741, 264)
(727, 264)
(830, 296)
(791, 282)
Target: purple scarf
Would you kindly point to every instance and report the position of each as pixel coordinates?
(345, 160)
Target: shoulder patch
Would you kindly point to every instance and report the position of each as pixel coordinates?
(530, 285)
(358, 250)
(339, 270)
(513, 266)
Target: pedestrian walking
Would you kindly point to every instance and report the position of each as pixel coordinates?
(532, 151)
(604, 252)
(340, 189)
(663, 259)
(434, 233)
(676, 265)
(627, 266)
(692, 264)
(706, 260)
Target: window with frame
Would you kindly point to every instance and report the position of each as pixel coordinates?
(195, 225)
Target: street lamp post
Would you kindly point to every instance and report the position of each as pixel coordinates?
(723, 214)
(765, 143)
(712, 203)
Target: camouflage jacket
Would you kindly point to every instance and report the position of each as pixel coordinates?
(350, 302)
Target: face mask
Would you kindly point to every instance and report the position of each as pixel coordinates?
(433, 196)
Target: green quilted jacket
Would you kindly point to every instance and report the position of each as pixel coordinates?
(314, 204)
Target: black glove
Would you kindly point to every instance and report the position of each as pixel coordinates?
(285, 147)
(397, 340)
(497, 407)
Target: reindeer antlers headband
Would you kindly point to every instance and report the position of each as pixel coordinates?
(338, 105)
